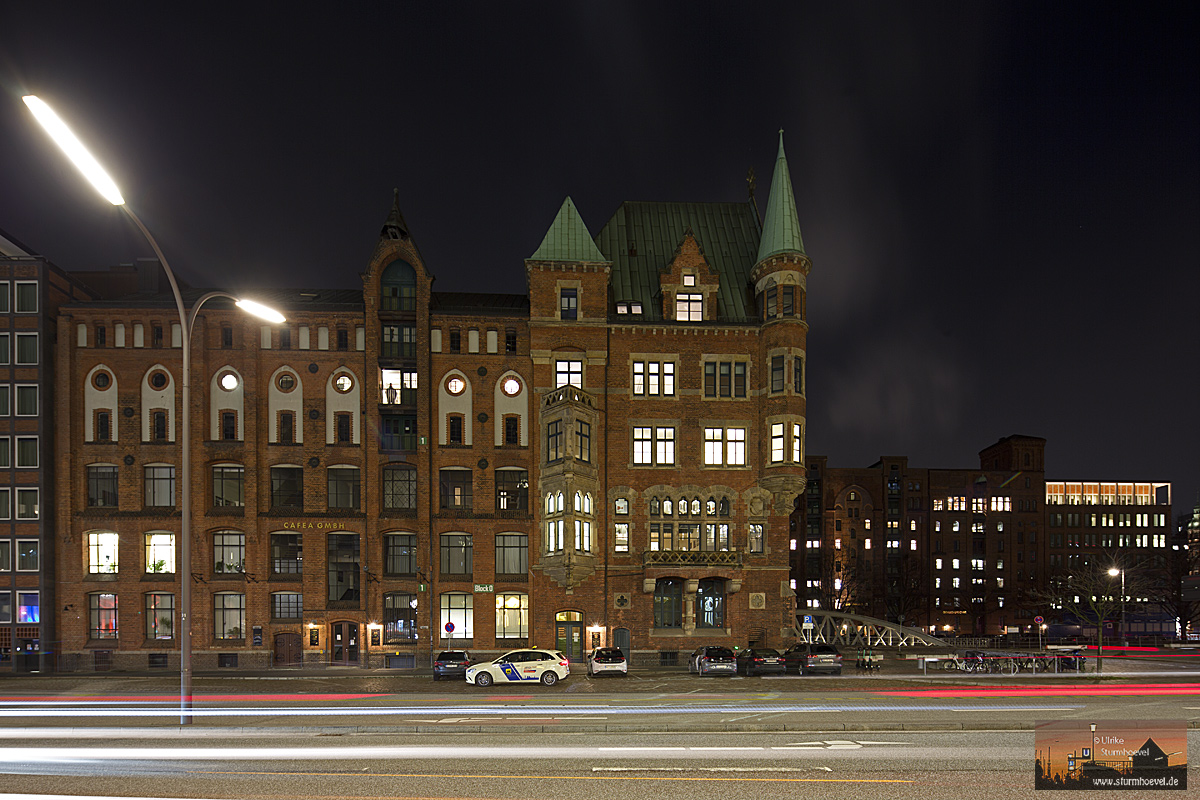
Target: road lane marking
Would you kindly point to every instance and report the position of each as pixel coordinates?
(725, 748)
(740, 778)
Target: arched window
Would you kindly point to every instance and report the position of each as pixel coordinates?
(710, 508)
(724, 507)
(578, 501)
(668, 507)
(668, 603)
(695, 506)
(655, 507)
(710, 603)
(398, 287)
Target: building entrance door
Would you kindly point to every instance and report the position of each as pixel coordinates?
(29, 652)
(568, 633)
(621, 641)
(343, 644)
(288, 650)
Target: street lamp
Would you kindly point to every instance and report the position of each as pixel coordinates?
(1114, 572)
(91, 169)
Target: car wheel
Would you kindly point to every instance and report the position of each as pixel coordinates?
(837, 671)
(549, 678)
(483, 679)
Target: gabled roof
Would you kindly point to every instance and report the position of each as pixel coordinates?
(568, 238)
(781, 225)
(641, 239)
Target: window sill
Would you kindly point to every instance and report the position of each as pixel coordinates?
(159, 577)
(286, 577)
(101, 577)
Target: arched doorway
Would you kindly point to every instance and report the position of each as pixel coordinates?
(289, 651)
(343, 644)
(568, 633)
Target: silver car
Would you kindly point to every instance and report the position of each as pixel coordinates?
(713, 660)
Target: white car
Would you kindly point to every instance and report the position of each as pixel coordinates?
(607, 661)
(518, 666)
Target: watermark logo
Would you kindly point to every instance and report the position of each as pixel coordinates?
(1110, 754)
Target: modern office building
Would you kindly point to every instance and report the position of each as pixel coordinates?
(608, 459)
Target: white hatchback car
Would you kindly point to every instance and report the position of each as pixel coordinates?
(607, 661)
(518, 666)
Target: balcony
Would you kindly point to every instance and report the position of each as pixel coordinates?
(692, 558)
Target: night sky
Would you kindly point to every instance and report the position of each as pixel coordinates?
(1001, 201)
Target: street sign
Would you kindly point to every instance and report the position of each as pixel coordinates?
(449, 627)
(808, 622)
(1038, 620)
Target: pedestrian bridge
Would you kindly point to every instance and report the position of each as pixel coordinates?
(852, 630)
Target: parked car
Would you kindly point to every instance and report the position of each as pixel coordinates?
(808, 658)
(712, 660)
(520, 666)
(760, 661)
(607, 661)
(451, 664)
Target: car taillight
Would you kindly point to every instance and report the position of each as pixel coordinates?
(564, 663)
(758, 659)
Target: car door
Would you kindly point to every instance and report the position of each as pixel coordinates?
(509, 667)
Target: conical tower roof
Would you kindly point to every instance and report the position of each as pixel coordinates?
(781, 226)
(394, 227)
(568, 239)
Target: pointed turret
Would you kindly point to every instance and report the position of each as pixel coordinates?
(781, 227)
(394, 227)
(568, 238)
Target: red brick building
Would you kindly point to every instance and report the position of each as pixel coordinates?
(610, 458)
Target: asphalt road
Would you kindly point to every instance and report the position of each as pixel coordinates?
(481, 766)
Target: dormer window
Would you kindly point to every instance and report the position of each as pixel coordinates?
(622, 308)
(568, 304)
(635, 308)
(689, 307)
(689, 279)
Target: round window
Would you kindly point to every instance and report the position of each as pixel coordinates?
(343, 383)
(159, 379)
(228, 381)
(286, 381)
(456, 385)
(101, 380)
(511, 386)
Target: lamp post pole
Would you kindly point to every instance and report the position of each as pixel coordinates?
(99, 179)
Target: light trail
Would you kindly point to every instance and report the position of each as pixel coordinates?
(1129, 689)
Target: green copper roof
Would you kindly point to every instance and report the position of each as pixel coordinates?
(641, 240)
(568, 238)
(781, 226)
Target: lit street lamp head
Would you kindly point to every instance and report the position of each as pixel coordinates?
(75, 150)
(260, 311)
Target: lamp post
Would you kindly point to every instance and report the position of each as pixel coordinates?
(91, 169)
(1114, 572)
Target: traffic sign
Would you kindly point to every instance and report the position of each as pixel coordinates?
(1038, 620)
(808, 622)
(449, 627)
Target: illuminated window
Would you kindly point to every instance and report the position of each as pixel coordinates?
(689, 307)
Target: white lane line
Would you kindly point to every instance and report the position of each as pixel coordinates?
(637, 749)
(725, 748)
(1022, 710)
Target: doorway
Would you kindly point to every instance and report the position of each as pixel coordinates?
(568, 633)
(621, 641)
(288, 650)
(343, 644)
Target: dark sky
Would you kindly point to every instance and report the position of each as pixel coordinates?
(1001, 201)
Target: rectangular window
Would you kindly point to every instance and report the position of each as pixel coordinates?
(512, 429)
(103, 430)
(29, 609)
(229, 485)
(457, 615)
(27, 451)
(568, 372)
(798, 375)
(5, 397)
(229, 615)
(287, 605)
(343, 569)
(285, 339)
(776, 442)
(512, 554)
(725, 379)
(28, 555)
(287, 554)
(797, 443)
(4, 293)
(102, 486)
(158, 426)
(226, 337)
(621, 537)
(788, 294)
(568, 304)
(27, 503)
(5, 606)
(229, 428)
(512, 490)
(689, 307)
(229, 552)
(662, 536)
(512, 616)
(160, 615)
(344, 490)
(583, 441)
(156, 336)
(664, 440)
(287, 427)
(343, 339)
(287, 487)
(342, 427)
(643, 446)
(510, 341)
(455, 489)
(399, 489)
(102, 613)
(5, 555)
(27, 348)
(160, 552)
(160, 486)
(457, 554)
(454, 432)
(102, 552)
(455, 340)
(27, 297)
(554, 436)
(408, 341)
(400, 554)
(754, 541)
(776, 373)
(27, 400)
(5, 349)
